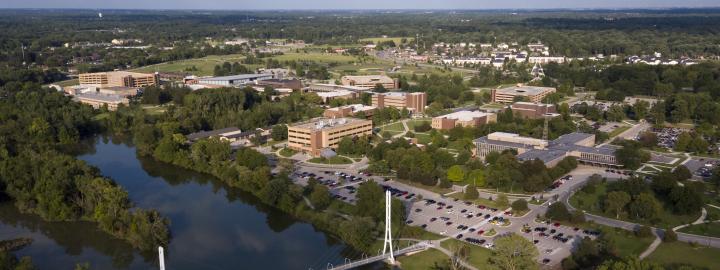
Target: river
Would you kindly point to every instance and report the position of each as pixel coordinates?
(213, 226)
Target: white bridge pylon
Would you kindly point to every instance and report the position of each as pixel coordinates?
(388, 235)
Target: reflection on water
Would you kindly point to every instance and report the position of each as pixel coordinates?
(213, 226)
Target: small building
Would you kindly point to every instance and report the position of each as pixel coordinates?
(413, 102)
(230, 134)
(370, 81)
(314, 136)
(464, 119)
(349, 110)
(533, 94)
(534, 110)
(234, 80)
(98, 100)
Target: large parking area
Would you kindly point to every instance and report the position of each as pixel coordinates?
(456, 218)
(667, 137)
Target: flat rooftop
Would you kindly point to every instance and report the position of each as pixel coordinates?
(338, 86)
(236, 77)
(465, 115)
(355, 107)
(335, 93)
(524, 90)
(100, 97)
(327, 123)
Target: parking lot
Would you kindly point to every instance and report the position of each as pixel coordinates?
(702, 167)
(667, 137)
(459, 219)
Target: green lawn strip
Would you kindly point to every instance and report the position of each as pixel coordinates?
(712, 212)
(478, 256)
(711, 229)
(435, 189)
(287, 152)
(412, 123)
(478, 201)
(423, 138)
(591, 203)
(332, 160)
(618, 130)
(427, 259)
(679, 253)
(393, 127)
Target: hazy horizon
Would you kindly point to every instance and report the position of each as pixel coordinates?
(355, 4)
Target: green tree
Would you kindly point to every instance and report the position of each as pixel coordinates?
(558, 211)
(645, 206)
(476, 177)
(616, 201)
(320, 197)
(502, 201)
(279, 132)
(520, 205)
(669, 235)
(456, 173)
(513, 252)
(683, 141)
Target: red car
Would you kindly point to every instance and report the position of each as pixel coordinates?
(480, 232)
(556, 224)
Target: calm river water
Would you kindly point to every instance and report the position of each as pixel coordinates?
(213, 226)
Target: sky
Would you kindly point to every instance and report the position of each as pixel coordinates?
(352, 4)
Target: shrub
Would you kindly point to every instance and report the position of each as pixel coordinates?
(644, 232)
(670, 235)
(520, 205)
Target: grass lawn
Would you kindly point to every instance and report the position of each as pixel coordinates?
(480, 201)
(423, 138)
(316, 57)
(68, 82)
(154, 109)
(628, 244)
(618, 130)
(287, 152)
(412, 123)
(435, 189)
(478, 256)
(393, 127)
(377, 40)
(101, 116)
(705, 229)
(679, 253)
(424, 260)
(204, 65)
(332, 160)
(712, 212)
(592, 203)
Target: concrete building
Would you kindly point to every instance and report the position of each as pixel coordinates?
(98, 100)
(281, 83)
(339, 94)
(370, 81)
(413, 102)
(324, 87)
(578, 145)
(349, 110)
(534, 110)
(234, 80)
(118, 79)
(314, 136)
(534, 94)
(546, 59)
(464, 119)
